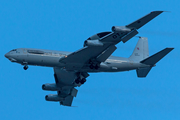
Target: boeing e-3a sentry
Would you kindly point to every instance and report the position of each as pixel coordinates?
(71, 68)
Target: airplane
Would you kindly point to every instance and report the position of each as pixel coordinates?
(71, 68)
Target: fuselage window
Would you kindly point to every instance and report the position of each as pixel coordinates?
(35, 51)
(46, 53)
(61, 55)
(55, 54)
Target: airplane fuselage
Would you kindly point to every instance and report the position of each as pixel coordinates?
(50, 58)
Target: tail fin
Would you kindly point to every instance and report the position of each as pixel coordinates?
(152, 60)
(141, 50)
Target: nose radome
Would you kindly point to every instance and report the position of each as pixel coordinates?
(6, 55)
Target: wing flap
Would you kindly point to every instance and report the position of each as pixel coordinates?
(105, 54)
(129, 36)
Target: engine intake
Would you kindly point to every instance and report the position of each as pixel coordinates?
(53, 97)
(120, 29)
(50, 87)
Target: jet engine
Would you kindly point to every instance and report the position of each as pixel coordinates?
(94, 40)
(120, 29)
(93, 43)
(53, 97)
(50, 87)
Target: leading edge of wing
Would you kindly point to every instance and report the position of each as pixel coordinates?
(142, 21)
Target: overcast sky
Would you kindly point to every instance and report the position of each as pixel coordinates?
(64, 25)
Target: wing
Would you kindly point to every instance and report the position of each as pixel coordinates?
(85, 55)
(99, 50)
(142, 21)
(127, 32)
(66, 81)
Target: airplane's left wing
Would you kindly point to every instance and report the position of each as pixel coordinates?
(124, 33)
(142, 21)
(97, 50)
(85, 55)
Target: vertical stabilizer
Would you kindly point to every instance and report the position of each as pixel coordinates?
(141, 50)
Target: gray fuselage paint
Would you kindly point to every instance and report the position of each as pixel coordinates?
(50, 58)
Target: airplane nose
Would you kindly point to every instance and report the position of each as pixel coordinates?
(6, 55)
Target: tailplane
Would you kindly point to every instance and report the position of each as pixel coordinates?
(141, 50)
(151, 61)
(142, 72)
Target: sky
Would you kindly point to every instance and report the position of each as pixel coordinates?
(64, 25)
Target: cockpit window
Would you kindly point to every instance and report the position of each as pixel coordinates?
(13, 50)
(35, 51)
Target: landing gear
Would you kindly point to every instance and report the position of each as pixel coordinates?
(97, 66)
(82, 81)
(92, 66)
(25, 67)
(77, 81)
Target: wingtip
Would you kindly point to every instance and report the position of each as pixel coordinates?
(157, 11)
(171, 48)
(167, 11)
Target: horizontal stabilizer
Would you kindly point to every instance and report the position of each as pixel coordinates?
(142, 72)
(152, 60)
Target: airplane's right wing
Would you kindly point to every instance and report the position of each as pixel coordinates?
(66, 81)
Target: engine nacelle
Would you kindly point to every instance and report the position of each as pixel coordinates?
(120, 29)
(92, 43)
(53, 97)
(50, 87)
